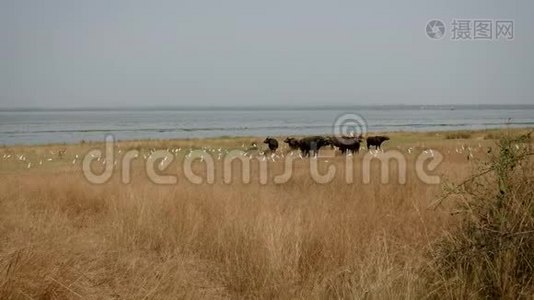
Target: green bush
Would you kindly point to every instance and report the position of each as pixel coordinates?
(491, 253)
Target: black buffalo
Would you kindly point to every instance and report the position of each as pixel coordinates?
(312, 144)
(272, 143)
(347, 144)
(293, 143)
(376, 141)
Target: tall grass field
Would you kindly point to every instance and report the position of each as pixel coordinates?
(471, 235)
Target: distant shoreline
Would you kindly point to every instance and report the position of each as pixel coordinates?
(472, 132)
(272, 108)
(69, 126)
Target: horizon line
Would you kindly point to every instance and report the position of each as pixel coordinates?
(260, 107)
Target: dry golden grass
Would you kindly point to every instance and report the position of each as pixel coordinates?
(62, 237)
(491, 254)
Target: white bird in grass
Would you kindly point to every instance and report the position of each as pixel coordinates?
(29, 165)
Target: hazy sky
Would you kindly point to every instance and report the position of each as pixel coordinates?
(296, 52)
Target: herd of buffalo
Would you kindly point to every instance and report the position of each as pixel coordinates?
(311, 145)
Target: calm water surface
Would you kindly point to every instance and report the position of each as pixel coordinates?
(38, 126)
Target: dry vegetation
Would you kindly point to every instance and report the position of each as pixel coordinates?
(458, 135)
(62, 237)
(491, 255)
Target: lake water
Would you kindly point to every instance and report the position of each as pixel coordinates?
(72, 126)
